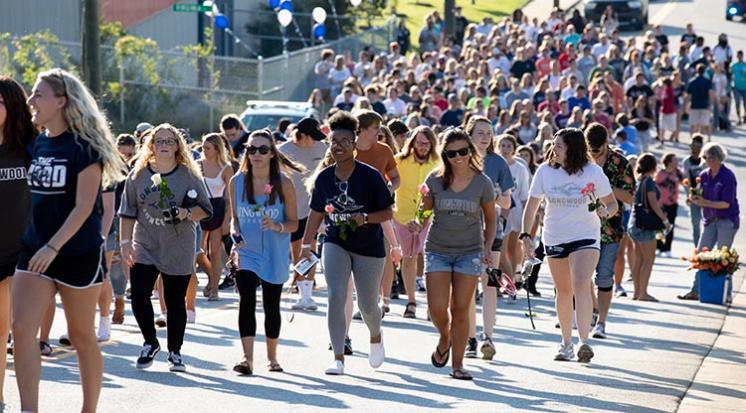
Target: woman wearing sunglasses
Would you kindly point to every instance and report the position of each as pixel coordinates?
(62, 247)
(572, 231)
(353, 200)
(264, 215)
(163, 197)
(459, 243)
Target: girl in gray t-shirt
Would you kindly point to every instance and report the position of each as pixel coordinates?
(462, 199)
(164, 195)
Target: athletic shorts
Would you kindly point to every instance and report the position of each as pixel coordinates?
(74, 271)
(564, 250)
(298, 234)
(700, 117)
(7, 270)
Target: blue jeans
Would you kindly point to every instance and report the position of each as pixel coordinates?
(605, 266)
(695, 213)
(720, 233)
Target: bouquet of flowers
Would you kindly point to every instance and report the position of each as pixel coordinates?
(694, 190)
(590, 192)
(421, 215)
(344, 221)
(718, 261)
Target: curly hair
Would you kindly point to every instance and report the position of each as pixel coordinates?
(344, 121)
(146, 153)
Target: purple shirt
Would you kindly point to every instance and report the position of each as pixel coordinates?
(721, 187)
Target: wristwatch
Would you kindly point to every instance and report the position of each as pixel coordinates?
(365, 218)
(524, 235)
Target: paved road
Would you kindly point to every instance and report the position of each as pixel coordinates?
(647, 364)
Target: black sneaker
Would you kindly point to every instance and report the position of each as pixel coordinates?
(175, 363)
(147, 354)
(227, 284)
(348, 346)
(471, 348)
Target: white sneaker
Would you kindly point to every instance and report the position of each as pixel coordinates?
(337, 368)
(191, 317)
(666, 254)
(599, 330)
(299, 305)
(377, 353)
(565, 352)
(104, 329)
(619, 291)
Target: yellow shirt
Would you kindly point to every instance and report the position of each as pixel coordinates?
(412, 174)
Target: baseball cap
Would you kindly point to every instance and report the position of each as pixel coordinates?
(143, 127)
(310, 126)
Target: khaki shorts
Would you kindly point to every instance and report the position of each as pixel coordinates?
(667, 121)
(700, 117)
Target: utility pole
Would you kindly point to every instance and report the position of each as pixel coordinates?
(90, 45)
(448, 10)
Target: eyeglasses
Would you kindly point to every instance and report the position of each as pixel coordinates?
(164, 142)
(264, 149)
(458, 152)
(341, 142)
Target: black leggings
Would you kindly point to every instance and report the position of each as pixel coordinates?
(142, 280)
(247, 281)
(671, 212)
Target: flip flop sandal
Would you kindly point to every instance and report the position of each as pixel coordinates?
(461, 374)
(275, 368)
(410, 311)
(243, 368)
(446, 354)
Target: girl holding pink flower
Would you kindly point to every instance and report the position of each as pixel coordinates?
(264, 215)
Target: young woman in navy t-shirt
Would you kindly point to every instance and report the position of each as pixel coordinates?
(62, 247)
(16, 134)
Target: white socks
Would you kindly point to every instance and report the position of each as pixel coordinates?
(306, 289)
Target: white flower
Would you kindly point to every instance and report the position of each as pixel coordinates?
(192, 194)
(156, 179)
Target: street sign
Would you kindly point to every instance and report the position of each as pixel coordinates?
(192, 8)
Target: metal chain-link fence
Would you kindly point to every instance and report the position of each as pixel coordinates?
(190, 92)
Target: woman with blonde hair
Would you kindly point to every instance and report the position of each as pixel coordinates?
(164, 195)
(216, 172)
(62, 248)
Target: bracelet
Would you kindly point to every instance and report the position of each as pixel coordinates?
(56, 251)
(524, 235)
(305, 246)
(125, 242)
(397, 247)
(282, 227)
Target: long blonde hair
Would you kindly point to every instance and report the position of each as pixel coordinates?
(216, 140)
(85, 120)
(145, 154)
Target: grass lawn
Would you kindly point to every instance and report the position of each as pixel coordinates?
(474, 10)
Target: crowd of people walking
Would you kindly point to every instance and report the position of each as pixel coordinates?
(459, 170)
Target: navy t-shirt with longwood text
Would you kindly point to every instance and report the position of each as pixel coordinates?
(364, 192)
(56, 163)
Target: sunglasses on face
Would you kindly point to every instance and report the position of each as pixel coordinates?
(458, 152)
(164, 142)
(264, 149)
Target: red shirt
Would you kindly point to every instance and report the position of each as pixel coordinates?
(668, 100)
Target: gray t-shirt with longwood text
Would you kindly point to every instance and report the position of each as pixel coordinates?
(157, 240)
(457, 216)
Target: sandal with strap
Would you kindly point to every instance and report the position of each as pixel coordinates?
(243, 367)
(446, 354)
(410, 311)
(275, 368)
(461, 374)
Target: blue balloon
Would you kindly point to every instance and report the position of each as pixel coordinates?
(273, 4)
(286, 5)
(319, 30)
(221, 22)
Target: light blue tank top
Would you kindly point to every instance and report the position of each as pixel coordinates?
(266, 253)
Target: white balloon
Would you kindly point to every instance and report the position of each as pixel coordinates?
(319, 15)
(356, 2)
(285, 17)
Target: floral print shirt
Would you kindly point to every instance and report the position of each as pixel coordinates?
(619, 172)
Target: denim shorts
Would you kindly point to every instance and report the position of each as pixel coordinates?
(605, 266)
(640, 235)
(469, 263)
